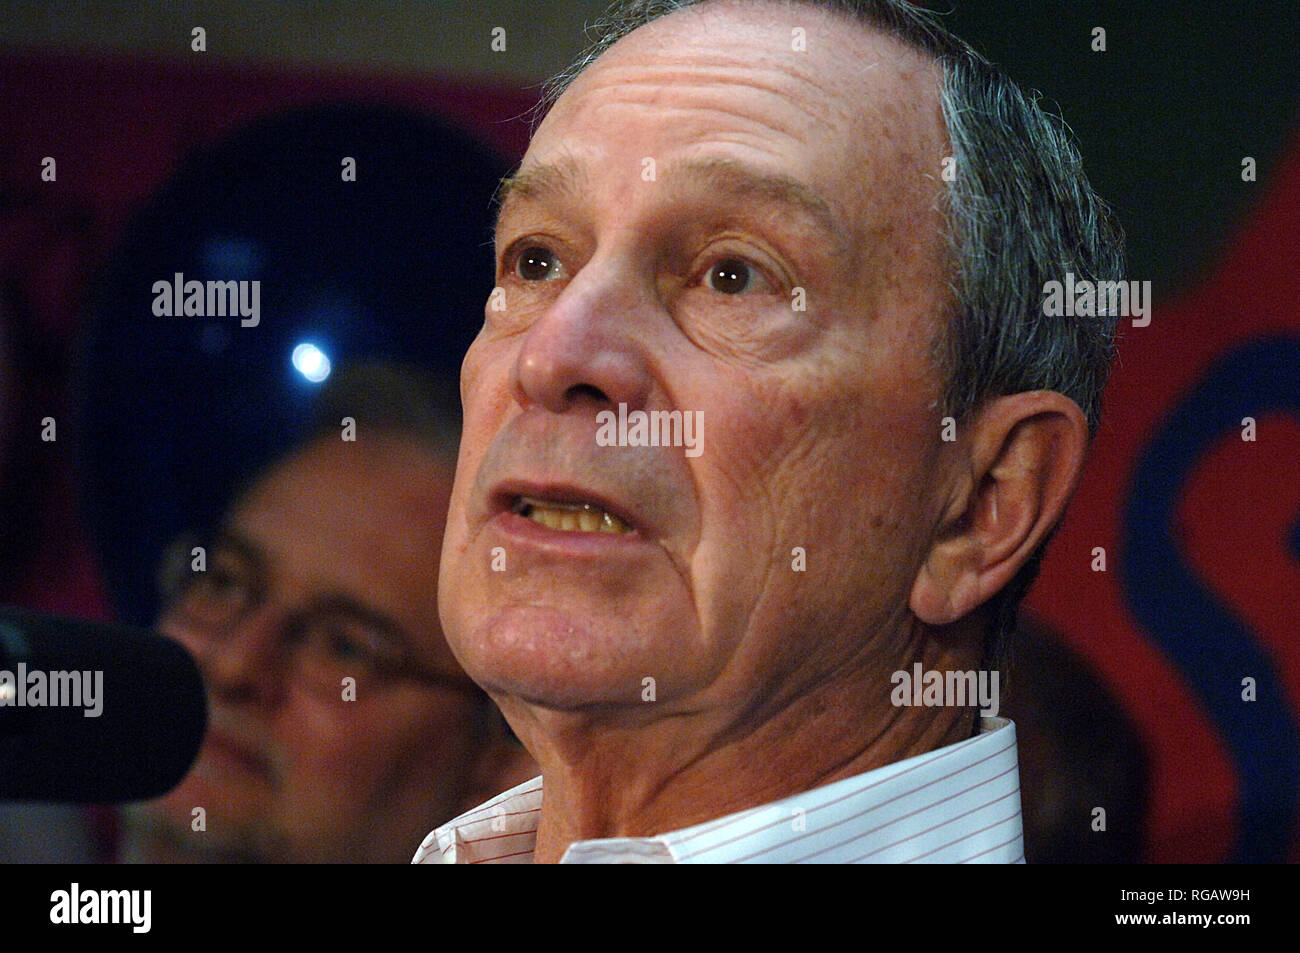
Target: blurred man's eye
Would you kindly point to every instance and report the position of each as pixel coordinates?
(538, 264)
(345, 646)
(226, 582)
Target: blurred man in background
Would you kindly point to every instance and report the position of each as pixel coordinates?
(340, 724)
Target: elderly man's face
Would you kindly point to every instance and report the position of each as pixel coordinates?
(341, 545)
(709, 221)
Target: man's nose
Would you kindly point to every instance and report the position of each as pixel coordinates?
(251, 663)
(590, 342)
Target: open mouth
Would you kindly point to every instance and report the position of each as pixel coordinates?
(569, 517)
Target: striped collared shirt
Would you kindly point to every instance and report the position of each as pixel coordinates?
(959, 804)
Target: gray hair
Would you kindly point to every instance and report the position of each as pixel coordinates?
(385, 399)
(1020, 213)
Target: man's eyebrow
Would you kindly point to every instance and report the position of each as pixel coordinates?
(563, 177)
(736, 179)
(741, 181)
(227, 537)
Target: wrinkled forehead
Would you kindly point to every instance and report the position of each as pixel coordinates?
(368, 513)
(361, 521)
(840, 104)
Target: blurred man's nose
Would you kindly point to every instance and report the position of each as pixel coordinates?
(589, 342)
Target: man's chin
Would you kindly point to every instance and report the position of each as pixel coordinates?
(562, 687)
(554, 657)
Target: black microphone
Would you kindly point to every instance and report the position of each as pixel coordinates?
(93, 713)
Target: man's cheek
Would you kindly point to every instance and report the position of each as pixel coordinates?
(324, 738)
(485, 372)
(322, 783)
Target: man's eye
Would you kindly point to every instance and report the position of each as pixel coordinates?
(344, 648)
(222, 582)
(537, 264)
(343, 643)
(732, 276)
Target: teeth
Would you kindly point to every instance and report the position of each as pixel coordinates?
(573, 517)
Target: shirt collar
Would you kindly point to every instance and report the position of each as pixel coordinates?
(957, 804)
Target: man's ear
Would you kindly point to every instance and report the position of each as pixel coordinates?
(1023, 455)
